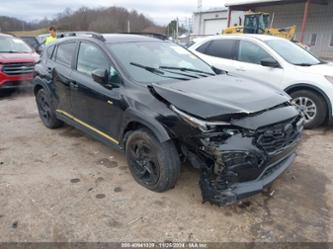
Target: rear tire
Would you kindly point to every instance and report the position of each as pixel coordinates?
(313, 107)
(46, 111)
(154, 165)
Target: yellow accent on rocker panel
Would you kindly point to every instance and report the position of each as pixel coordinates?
(88, 126)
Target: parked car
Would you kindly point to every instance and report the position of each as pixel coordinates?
(278, 62)
(33, 42)
(17, 61)
(161, 104)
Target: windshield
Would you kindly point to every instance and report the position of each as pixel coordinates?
(155, 61)
(293, 53)
(13, 45)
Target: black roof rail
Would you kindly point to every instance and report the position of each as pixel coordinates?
(94, 35)
(149, 34)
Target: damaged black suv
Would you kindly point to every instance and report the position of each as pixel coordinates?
(163, 105)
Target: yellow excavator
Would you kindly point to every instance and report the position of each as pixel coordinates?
(259, 23)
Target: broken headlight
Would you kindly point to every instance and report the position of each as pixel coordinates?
(198, 123)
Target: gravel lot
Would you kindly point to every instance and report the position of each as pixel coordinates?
(60, 185)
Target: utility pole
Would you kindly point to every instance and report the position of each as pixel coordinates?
(177, 29)
(128, 26)
(199, 10)
(199, 6)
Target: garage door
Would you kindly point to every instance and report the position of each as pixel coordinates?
(214, 26)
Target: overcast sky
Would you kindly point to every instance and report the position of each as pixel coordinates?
(160, 11)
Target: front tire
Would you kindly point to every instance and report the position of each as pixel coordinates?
(313, 107)
(154, 165)
(46, 111)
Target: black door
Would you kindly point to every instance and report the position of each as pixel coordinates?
(61, 67)
(97, 106)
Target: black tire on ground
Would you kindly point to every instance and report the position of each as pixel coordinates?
(320, 104)
(153, 165)
(46, 111)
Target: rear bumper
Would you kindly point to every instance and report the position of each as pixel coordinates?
(239, 191)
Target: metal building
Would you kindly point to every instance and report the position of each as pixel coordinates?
(212, 21)
(314, 19)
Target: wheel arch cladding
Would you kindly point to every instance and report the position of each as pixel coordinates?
(40, 84)
(315, 89)
(37, 87)
(134, 121)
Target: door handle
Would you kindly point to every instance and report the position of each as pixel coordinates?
(73, 85)
(240, 69)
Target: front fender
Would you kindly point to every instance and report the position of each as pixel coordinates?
(145, 119)
(39, 81)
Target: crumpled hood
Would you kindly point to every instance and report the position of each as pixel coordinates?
(321, 69)
(18, 57)
(220, 95)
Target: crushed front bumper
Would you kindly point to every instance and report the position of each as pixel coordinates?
(238, 191)
(245, 163)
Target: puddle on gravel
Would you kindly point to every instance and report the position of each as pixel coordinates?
(117, 189)
(75, 180)
(107, 163)
(100, 196)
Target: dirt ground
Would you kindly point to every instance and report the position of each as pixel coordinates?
(60, 185)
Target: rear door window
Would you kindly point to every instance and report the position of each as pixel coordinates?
(65, 53)
(203, 47)
(221, 48)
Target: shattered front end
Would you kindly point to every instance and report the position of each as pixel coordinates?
(242, 159)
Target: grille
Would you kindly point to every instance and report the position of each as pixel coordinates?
(276, 137)
(18, 68)
(241, 160)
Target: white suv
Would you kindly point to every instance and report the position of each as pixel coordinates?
(279, 62)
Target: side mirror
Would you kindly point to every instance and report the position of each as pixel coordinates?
(100, 76)
(218, 71)
(269, 62)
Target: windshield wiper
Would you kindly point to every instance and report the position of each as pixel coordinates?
(187, 70)
(196, 76)
(156, 71)
(10, 52)
(149, 69)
